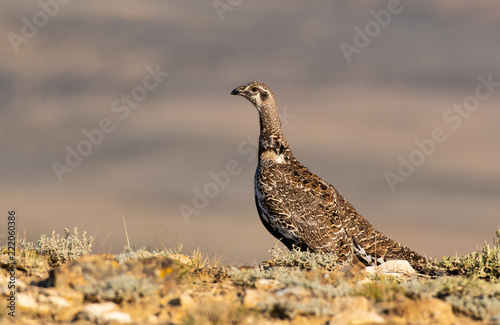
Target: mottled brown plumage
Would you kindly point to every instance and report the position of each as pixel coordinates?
(299, 208)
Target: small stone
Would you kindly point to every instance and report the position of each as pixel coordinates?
(394, 268)
(298, 292)
(252, 298)
(175, 302)
(20, 285)
(4, 285)
(94, 311)
(267, 284)
(152, 319)
(186, 301)
(58, 302)
(116, 317)
(356, 318)
(26, 302)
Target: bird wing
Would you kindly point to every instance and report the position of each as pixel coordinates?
(313, 208)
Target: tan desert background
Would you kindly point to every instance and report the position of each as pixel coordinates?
(66, 64)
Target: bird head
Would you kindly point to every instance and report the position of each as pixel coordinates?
(256, 92)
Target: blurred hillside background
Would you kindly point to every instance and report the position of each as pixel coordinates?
(66, 67)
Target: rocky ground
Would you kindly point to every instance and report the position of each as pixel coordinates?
(168, 288)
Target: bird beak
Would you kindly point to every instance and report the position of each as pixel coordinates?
(235, 91)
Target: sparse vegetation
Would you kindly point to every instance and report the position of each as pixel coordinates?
(216, 312)
(304, 260)
(292, 277)
(473, 297)
(55, 250)
(292, 285)
(31, 261)
(483, 264)
(119, 289)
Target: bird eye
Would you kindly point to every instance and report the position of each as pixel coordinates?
(255, 89)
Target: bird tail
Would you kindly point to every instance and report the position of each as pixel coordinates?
(378, 248)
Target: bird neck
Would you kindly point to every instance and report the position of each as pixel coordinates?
(271, 135)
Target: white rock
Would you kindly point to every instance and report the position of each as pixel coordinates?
(116, 316)
(58, 302)
(267, 284)
(152, 319)
(395, 268)
(94, 311)
(186, 301)
(4, 285)
(298, 292)
(26, 301)
(252, 298)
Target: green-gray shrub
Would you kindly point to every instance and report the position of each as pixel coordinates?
(60, 249)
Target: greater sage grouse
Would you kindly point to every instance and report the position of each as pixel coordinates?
(300, 209)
